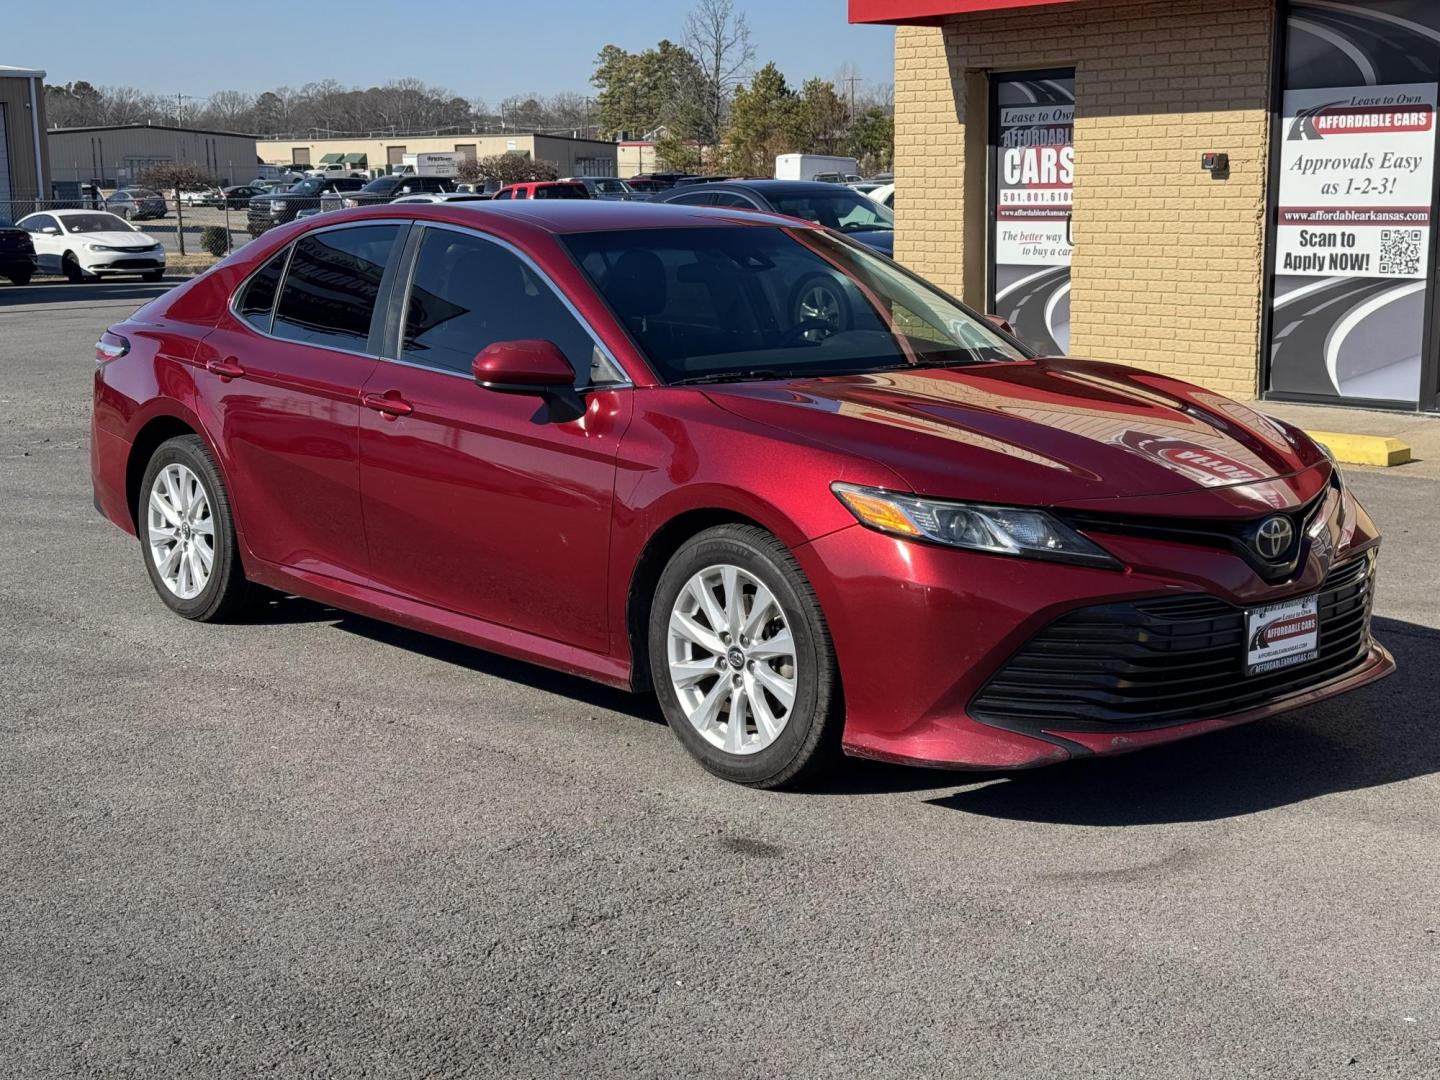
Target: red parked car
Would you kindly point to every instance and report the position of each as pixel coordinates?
(544, 189)
(812, 501)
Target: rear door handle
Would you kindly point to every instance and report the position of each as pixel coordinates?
(388, 406)
(229, 368)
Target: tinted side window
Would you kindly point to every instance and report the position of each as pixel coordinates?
(330, 288)
(468, 293)
(258, 298)
(729, 198)
(700, 198)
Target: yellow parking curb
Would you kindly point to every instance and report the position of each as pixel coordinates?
(1363, 449)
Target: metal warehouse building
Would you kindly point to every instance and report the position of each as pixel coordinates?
(1238, 192)
(575, 157)
(114, 155)
(24, 167)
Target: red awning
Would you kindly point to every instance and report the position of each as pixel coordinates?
(897, 12)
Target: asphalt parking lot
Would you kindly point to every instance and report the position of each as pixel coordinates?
(315, 845)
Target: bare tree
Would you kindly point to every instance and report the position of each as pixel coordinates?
(718, 37)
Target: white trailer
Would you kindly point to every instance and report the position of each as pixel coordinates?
(809, 166)
(439, 163)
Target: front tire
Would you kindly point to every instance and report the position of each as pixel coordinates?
(187, 533)
(742, 660)
(71, 268)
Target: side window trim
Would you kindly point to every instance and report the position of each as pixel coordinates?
(404, 224)
(393, 333)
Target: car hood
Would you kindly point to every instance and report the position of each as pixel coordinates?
(115, 239)
(881, 240)
(1048, 432)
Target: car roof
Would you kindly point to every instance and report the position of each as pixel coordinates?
(72, 212)
(778, 187)
(563, 216)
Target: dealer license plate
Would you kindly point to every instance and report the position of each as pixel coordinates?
(1282, 635)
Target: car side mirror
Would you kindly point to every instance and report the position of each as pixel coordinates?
(1000, 323)
(530, 366)
(522, 367)
(51, 230)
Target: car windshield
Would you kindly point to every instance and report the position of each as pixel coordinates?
(93, 223)
(842, 209)
(383, 184)
(741, 302)
(308, 187)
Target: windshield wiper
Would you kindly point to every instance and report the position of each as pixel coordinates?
(728, 376)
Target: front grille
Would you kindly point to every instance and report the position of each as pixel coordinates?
(1169, 660)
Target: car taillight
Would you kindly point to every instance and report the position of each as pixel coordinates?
(110, 347)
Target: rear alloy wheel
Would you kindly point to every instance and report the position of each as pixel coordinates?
(741, 659)
(187, 534)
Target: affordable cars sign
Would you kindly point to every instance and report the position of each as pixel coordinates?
(1356, 172)
(1353, 205)
(1034, 175)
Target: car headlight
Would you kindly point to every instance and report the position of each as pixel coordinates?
(999, 530)
(99, 247)
(276, 205)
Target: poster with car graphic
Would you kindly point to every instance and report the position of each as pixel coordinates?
(1353, 209)
(1034, 172)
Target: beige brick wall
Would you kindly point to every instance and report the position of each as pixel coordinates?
(1168, 262)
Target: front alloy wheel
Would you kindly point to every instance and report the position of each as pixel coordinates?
(741, 658)
(732, 659)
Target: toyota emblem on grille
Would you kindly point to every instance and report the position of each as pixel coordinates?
(1273, 537)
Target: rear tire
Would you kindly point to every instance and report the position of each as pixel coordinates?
(742, 661)
(187, 534)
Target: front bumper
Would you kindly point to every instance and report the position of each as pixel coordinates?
(920, 631)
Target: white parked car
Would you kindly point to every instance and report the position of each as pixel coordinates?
(884, 194)
(442, 196)
(85, 244)
(203, 197)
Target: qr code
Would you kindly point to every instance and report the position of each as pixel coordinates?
(1400, 252)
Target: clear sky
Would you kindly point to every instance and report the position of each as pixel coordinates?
(485, 49)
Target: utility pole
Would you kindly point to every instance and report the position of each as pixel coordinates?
(851, 80)
(180, 100)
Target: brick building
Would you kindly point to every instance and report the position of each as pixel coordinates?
(1238, 192)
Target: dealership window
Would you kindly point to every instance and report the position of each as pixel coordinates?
(1032, 121)
(1353, 205)
(331, 285)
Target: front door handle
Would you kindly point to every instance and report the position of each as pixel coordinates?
(227, 369)
(387, 405)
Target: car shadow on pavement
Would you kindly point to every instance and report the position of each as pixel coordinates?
(596, 695)
(1379, 734)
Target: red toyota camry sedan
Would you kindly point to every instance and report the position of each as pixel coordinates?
(811, 501)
